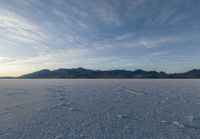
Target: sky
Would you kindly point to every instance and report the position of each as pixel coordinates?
(162, 35)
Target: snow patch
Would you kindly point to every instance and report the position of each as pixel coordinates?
(120, 116)
(59, 137)
(134, 92)
(176, 123)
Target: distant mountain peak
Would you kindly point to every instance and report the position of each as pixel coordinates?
(88, 73)
(44, 70)
(81, 68)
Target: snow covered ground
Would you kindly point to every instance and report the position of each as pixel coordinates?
(99, 109)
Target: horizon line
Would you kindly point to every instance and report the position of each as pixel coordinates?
(99, 70)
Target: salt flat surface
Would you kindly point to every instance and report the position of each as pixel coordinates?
(99, 109)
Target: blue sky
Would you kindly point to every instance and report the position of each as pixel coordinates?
(99, 34)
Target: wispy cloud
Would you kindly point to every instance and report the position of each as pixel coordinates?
(17, 31)
(100, 34)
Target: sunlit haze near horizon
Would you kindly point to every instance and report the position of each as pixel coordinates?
(162, 35)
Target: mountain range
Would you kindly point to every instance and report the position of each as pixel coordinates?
(76, 73)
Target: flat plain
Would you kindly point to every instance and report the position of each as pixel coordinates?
(99, 109)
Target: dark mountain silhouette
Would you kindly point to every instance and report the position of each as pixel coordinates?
(195, 73)
(113, 74)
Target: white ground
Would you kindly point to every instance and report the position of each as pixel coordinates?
(99, 109)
